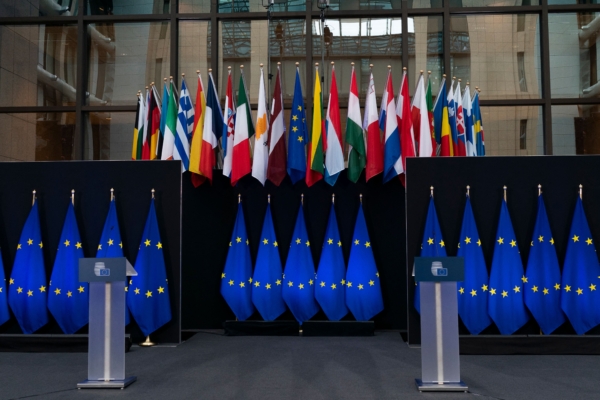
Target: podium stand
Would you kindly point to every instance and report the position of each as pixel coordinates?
(106, 347)
(440, 356)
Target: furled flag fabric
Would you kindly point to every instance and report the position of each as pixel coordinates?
(452, 119)
(236, 279)
(354, 133)
(432, 245)
(228, 128)
(334, 154)
(170, 126)
(244, 129)
(68, 299)
(276, 168)
(213, 129)
(299, 275)
(407, 134)
(478, 126)
(371, 128)
(27, 295)
(581, 276)
(383, 105)
(429, 101)
(164, 111)
(261, 138)
(331, 274)
(473, 292)
(506, 305)
(420, 118)
(268, 273)
(392, 161)
(198, 131)
(110, 242)
(314, 168)
(155, 112)
(147, 127)
(441, 124)
(469, 125)
(138, 130)
(184, 128)
(4, 314)
(461, 145)
(148, 295)
(363, 290)
(298, 135)
(542, 283)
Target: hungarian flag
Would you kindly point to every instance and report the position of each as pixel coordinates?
(429, 99)
(407, 134)
(147, 127)
(371, 127)
(469, 126)
(420, 118)
(460, 123)
(354, 133)
(442, 124)
(155, 133)
(170, 126)
(261, 138)
(228, 128)
(244, 128)
(314, 170)
(334, 155)
(138, 129)
(213, 129)
(276, 168)
(197, 141)
(392, 161)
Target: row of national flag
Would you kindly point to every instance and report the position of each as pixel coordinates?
(272, 287)
(205, 136)
(509, 295)
(30, 295)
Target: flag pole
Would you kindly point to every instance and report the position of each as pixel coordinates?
(73, 196)
(33, 200)
(148, 342)
(468, 191)
(539, 190)
(360, 197)
(333, 198)
(505, 193)
(431, 191)
(580, 192)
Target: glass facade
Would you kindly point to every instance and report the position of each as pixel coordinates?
(68, 80)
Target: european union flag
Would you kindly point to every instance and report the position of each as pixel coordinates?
(299, 276)
(332, 273)
(110, 242)
(542, 282)
(581, 276)
(297, 141)
(4, 314)
(506, 305)
(236, 278)
(148, 297)
(432, 245)
(68, 299)
(268, 274)
(363, 291)
(27, 293)
(472, 293)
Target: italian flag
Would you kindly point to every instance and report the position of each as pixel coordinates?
(244, 128)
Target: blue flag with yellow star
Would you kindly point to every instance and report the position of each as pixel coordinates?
(581, 275)
(4, 314)
(331, 274)
(110, 242)
(472, 293)
(505, 303)
(268, 274)
(432, 245)
(68, 299)
(296, 166)
(299, 276)
(236, 279)
(27, 293)
(542, 282)
(148, 295)
(363, 291)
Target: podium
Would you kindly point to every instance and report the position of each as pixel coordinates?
(440, 356)
(106, 345)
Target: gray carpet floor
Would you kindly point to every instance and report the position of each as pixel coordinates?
(210, 366)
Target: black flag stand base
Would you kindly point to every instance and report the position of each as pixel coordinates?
(148, 342)
(441, 387)
(115, 384)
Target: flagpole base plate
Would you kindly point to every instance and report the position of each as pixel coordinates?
(441, 387)
(116, 384)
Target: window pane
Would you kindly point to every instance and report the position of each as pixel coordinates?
(235, 50)
(127, 7)
(38, 137)
(576, 129)
(194, 53)
(194, 6)
(108, 136)
(498, 53)
(552, 2)
(288, 46)
(574, 57)
(513, 131)
(228, 6)
(125, 58)
(362, 4)
(425, 51)
(47, 8)
(493, 3)
(38, 65)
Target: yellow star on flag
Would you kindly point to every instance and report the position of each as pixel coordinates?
(69, 294)
(377, 274)
(148, 294)
(473, 292)
(30, 242)
(513, 243)
(57, 291)
(333, 286)
(557, 286)
(567, 288)
(339, 243)
(298, 241)
(478, 242)
(330, 241)
(371, 282)
(80, 289)
(110, 242)
(575, 238)
(307, 243)
(430, 241)
(67, 243)
(42, 289)
(250, 279)
(136, 291)
(19, 246)
(99, 247)
(295, 117)
(12, 281)
(467, 240)
(492, 291)
(442, 243)
(343, 282)
(247, 241)
(78, 245)
(461, 290)
(500, 240)
(290, 284)
(257, 284)
(545, 291)
(310, 282)
(541, 238)
(588, 241)
(268, 286)
(534, 288)
(265, 241)
(579, 291)
(348, 284)
(517, 289)
(19, 290)
(159, 245)
(161, 289)
(275, 244)
(322, 284)
(524, 279)
(242, 284)
(484, 288)
(238, 239)
(300, 138)
(121, 244)
(295, 129)
(231, 282)
(301, 286)
(41, 245)
(592, 287)
(368, 244)
(552, 241)
(360, 286)
(504, 293)
(356, 242)
(29, 293)
(222, 275)
(147, 242)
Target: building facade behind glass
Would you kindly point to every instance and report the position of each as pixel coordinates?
(70, 69)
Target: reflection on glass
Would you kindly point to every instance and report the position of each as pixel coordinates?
(362, 5)
(108, 136)
(426, 52)
(194, 6)
(493, 3)
(288, 46)
(127, 7)
(41, 8)
(194, 53)
(513, 131)
(576, 129)
(498, 53)
(229, 6)
(38, 137)
(574, 57)
(235, 50)
(38, 65)
(553, 2)
(125, 58)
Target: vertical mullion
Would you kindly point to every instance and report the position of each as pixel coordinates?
(309, 64)
(82, 67)
(546, 95)
(214, 44)
(446, 40)
(405, 33)
(174, 42)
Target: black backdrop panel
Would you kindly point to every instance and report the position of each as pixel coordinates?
(559, 176)
(92, 181)
(209, 213)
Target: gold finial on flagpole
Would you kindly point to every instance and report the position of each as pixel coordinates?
(239, 198)
(360, 197)
(421, 72)
(389, 67)
(261, 65)
(404, 68)
(539, 190)
(33, 201)
(505, 192)
(371, 66)
(198, 71)
(229, 68)
(183, 75)
(460, 80)
(73, 196)
(209, 70)
(165, 79)
(278, 63)
(302, 199)
(147, 343)
(468, 191)
(352, 63)
(580, 192)
(297, 64)
(146, 88)
(431, 191)
(333, 198)
(153, 191)
(171, 77)
(429, 72)
(453, 78)
(444, 76)
(333, 63)
(467, 82)
(269, 198)
(242, 66)
(112, 194)
(151, 83)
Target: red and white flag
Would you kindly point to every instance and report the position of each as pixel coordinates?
(244, 129)
(420, 117)
(407, 134)
(334, 155)
(261, 137)
(229, 128)
(276, 169)
(371, 128)
(460, 122)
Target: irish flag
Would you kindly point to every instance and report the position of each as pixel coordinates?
(314, 170)
(334, 155)
(244, 128)
(170, 126)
